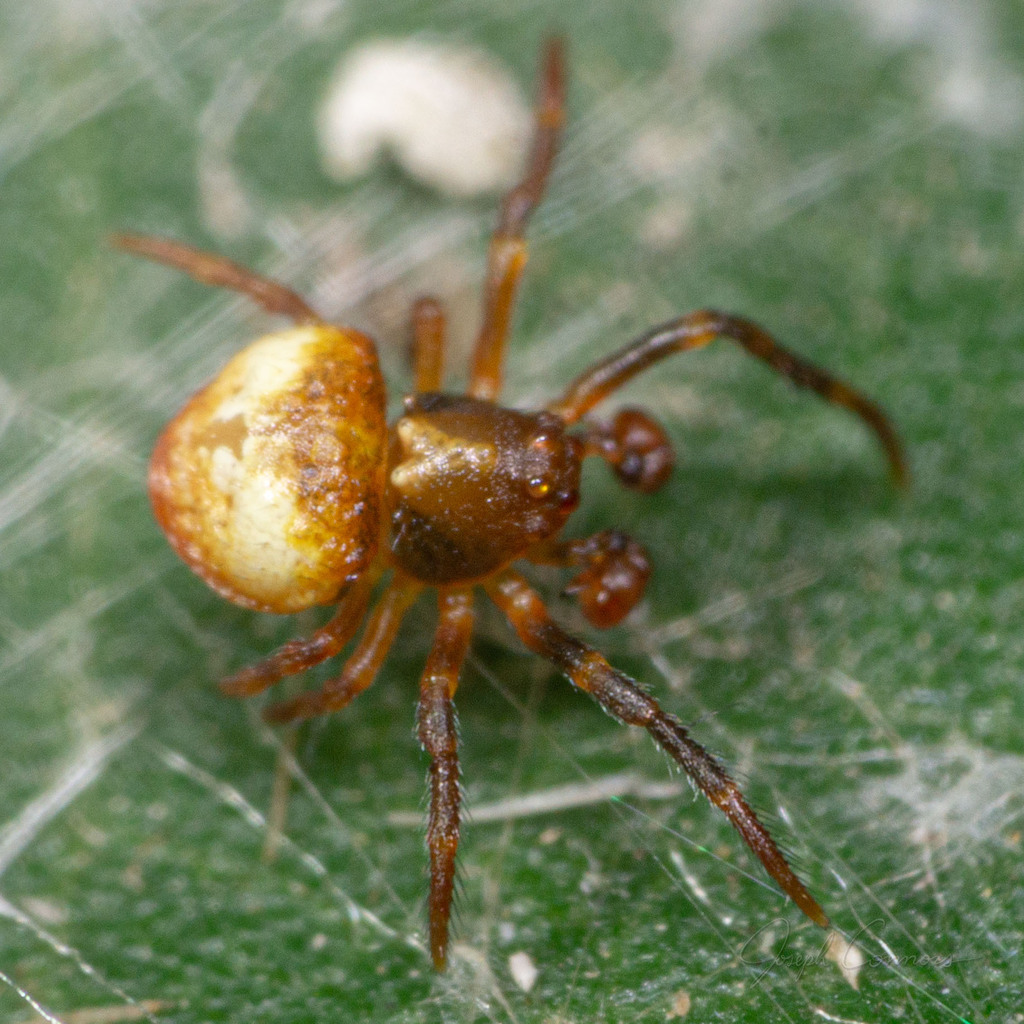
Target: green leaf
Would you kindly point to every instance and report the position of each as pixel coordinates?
(851, 178)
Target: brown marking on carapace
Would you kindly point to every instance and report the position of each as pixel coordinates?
(473, 486)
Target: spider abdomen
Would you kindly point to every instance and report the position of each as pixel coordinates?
(268, 482)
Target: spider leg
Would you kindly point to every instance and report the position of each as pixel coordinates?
(438, 733)
(622, 697)
(698, 329)
(507, 254)
(208, 268)
(306, 652)
(428, 340)
(363, 664)
(614, 570)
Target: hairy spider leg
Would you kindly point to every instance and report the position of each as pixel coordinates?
(438, 733)
(305, 652)
(208, 268)
(363, 664)
(507, 254)
(622, 697)
(428, 341)
(698, 329)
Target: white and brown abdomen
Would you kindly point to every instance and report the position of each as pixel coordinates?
(268, 482)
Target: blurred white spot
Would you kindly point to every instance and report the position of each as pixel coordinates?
(954, 793)
(981, 96)
(524, 971)
(847, 956)
(225, 204)
(710, 29)
(450, 116)
(46, 911)
(965, 78)
(681, 1004)
(958, 68)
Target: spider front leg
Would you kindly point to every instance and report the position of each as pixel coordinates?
(438, 733)
(696, 330)
(506, 258)
(208, 268)
(613, 577)
(622, 697)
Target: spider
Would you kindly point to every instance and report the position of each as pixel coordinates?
(282, 485)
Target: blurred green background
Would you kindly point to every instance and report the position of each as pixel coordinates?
(852, 176)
